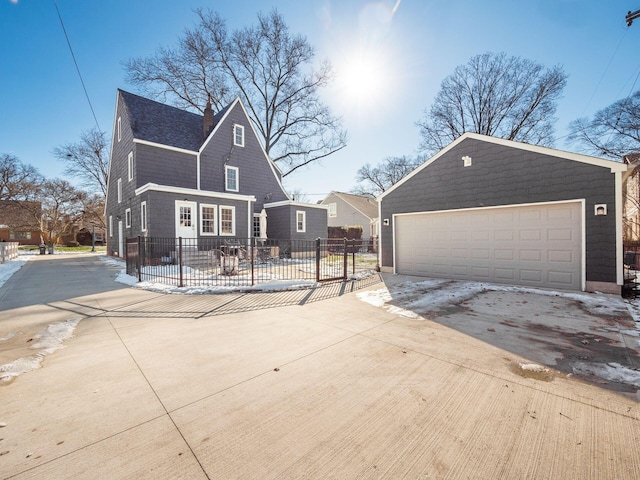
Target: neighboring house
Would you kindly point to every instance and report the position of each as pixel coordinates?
(494, 210)
(18, 222)
(348, 210)
(175, 173)
(631, 191)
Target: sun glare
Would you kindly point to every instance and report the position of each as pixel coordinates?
(363, 79)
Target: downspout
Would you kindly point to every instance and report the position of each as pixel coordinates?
(619, 208)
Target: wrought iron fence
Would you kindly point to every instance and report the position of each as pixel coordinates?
(238, 262)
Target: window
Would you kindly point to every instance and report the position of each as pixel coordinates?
(238, 135)
(301, 221)
(143, 216)
(332, 210)
(110, 225)
(127, 218)
(119, 190)
(130, 168)
(227, 221)
(231, 179)
(119, 129)
(208, 225)
(19, 235)
(256, 224)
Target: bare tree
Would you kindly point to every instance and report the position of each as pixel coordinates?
(59, 210)
(507, 97)
(378, 179)
(87, 160)
(93, 210)
(267, 66)
(613, 132)
(18, 181)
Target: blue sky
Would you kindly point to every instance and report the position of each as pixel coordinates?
(412, 45)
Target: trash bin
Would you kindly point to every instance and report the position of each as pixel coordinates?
(43, 249)
(51, 250)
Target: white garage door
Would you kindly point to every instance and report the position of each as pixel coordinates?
(536, 245)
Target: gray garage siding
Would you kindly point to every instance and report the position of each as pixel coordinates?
(502, 175)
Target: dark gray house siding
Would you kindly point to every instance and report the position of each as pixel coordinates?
(507, 175)
(282, 221)
(174, 158)
(165, 167)
(255, 175)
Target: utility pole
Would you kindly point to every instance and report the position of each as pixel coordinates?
(631, 16)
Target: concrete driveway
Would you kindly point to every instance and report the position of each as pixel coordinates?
(317, 386)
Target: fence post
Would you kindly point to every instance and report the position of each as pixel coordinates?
(180, 260)
(344, 260)
(251, 251)
(317, 259)
(139, 260)
(353, 255)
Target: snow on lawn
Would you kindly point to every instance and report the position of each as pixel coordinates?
(9, 268)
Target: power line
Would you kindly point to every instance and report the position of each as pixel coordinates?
(76, 64)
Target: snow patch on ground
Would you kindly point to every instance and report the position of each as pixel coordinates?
(612, 371)
(48, 342)
(533, 367)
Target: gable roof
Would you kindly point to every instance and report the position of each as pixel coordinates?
(576, 157)
(156, 122)
(365, 205)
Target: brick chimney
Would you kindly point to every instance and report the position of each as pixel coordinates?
(208, 120)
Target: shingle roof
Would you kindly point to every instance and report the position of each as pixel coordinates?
(368, 206)
(159, 123)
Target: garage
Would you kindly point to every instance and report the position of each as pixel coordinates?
(493, 210)
(533, 245)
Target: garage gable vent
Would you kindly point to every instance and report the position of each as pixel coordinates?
(466, 161)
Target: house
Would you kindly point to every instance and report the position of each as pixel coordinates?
(494, 210)
(348, 210)
(18, 222)
(175, 174)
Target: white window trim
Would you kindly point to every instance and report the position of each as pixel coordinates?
(110, 226)
(333, 209)
(215, 220)
(130, 166)
(256, 216)
(119, 190)
(226, 178)
(241, 130)
(304, 221)
(233, 221)
(143, 216)
(119, 128)
(127, 218)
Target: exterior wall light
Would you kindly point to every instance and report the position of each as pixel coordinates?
(600, 209)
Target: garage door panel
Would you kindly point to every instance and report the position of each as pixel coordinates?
(564, 278)
(506, 274)
(502, 254)
(531, 245)
(560, 256)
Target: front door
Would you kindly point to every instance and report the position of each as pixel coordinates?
(186, 220)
